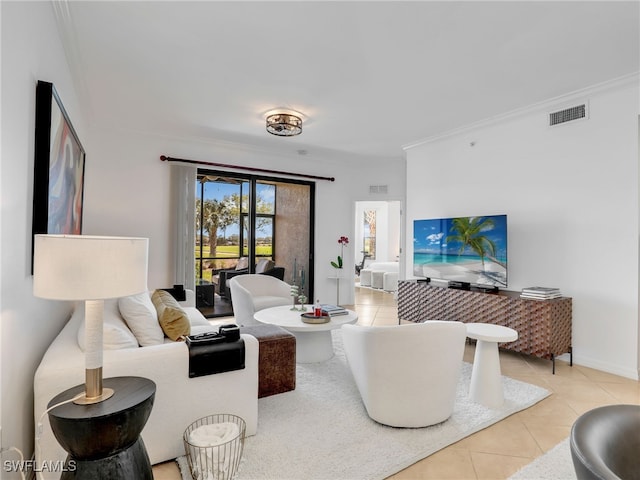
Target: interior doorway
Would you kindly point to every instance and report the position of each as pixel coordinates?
(378, 232)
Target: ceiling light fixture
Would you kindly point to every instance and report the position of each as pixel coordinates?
(284, 124)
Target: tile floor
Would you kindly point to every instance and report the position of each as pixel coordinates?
(501, 449)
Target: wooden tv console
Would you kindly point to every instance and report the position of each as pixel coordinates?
(543, 326)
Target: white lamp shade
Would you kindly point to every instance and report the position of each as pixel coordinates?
(84, 267)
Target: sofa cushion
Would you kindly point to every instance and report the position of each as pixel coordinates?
(115, 334)
(141, 317)
(173, 319)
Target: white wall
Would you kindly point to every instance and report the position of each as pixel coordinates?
(127, 193)
(31, 51)
(571, 196)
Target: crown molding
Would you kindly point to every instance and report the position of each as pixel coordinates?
(609, 85)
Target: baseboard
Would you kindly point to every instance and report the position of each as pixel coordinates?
(605, 367)
(375, 289)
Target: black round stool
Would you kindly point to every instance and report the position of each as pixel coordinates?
(103, 439)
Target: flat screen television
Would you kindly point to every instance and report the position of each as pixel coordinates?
(465, 250)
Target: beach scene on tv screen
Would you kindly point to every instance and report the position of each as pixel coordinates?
(462, 249)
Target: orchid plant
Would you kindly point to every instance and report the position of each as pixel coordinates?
(342, 241)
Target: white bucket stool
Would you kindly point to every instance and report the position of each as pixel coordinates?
(365, 277)
(390, 282)
(377, 278)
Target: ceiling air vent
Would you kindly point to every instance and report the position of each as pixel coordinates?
(378, 188)
(568, 115)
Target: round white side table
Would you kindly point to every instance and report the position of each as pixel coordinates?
(486, 379)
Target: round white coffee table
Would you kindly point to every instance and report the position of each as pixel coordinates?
(313, 341)
(486, 379)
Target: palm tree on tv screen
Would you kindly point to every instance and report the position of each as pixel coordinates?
(468, 232)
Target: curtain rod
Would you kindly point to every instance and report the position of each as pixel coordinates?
(164, 158)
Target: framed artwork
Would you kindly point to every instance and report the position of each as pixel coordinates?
(58, 182)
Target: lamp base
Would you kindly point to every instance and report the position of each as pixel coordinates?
(106, 393)
(93, 391)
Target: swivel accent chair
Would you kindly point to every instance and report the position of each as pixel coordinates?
(605, 443)
(407, 374)
(253, 292)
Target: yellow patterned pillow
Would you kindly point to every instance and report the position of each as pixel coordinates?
(173, 319)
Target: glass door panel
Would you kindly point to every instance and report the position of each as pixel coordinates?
(265, 208)
(217, 225)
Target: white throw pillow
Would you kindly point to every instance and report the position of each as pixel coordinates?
(142, 318)
(115, 334)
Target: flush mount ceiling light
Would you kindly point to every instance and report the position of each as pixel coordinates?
(284, 124)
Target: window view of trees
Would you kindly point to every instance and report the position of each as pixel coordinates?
(222, 222)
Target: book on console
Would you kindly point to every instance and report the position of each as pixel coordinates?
(540, 293)
(540, 290)
(540, 297)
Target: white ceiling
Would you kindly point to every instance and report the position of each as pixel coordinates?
(369, 77)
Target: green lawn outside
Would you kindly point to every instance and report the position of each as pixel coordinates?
(230, 251)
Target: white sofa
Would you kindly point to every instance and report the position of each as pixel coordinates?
(382, 275)
(179, 400)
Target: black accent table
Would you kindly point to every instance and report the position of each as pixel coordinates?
(103, 439)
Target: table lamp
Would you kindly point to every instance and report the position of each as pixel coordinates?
(91, 269)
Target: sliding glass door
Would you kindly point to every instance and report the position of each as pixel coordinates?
(247, 221)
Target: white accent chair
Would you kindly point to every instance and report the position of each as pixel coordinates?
(407, 375)
(253, 292)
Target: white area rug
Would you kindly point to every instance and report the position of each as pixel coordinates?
(322, 431)
(556, 464)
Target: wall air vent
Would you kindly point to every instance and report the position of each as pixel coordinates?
(568, 115)
(378, 189)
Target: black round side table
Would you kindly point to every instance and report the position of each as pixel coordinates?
(103, 439)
